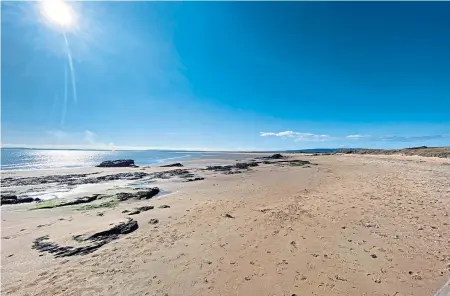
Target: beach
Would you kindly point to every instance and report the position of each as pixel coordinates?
(331, 225)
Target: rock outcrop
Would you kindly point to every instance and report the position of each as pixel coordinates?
(117, 163)
(78, 179)
(97, 240)
(232, 169)
(274, 156)
(13, 199)
(172, 165)
(144, 194)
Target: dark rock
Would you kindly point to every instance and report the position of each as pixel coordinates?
(153, 221)
(172, 165)
(164, 207)
(148, 193)
(114, 232)
(245, 165)
(219, 168)
(42, 244)
(60, 179)
(145, 208)
(140, 209)
(135, 212)
(194, 179)
(228, 216)
(25, 200)
(13, 199)
(79, 179)
(122, 196)
(8, 196)
(273, 156)
(9, 199)
(232, 169)
(117, 163)
(125, 211)
(143, 194)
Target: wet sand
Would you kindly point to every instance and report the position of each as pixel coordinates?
(350, 225)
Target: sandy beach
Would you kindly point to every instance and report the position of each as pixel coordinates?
(342, 225)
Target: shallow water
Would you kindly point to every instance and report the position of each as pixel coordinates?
(41, 159)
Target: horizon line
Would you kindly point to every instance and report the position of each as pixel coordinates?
(140, 148)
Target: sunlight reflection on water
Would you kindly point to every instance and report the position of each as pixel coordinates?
(41, 159)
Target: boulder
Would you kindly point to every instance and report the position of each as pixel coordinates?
(8, 199)
(13, 199)
(143, 194)
(117, 163)
(25, 200)
(148, 193)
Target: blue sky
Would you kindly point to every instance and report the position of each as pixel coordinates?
(228, 75)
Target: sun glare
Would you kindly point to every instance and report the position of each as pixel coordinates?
(58, 12)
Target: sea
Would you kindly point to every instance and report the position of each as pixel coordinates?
(46, 159)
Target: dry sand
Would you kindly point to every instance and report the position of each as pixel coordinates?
(352, 225)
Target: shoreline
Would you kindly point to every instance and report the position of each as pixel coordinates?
(218, 157)
(339, 225)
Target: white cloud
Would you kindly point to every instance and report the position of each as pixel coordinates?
(263, 134)
(286, 134)
(298, 137)
(357, 137)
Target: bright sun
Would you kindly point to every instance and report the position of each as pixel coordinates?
(58, 12)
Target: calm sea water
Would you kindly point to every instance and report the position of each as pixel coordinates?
(37, 159)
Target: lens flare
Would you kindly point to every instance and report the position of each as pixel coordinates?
(58, 12)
